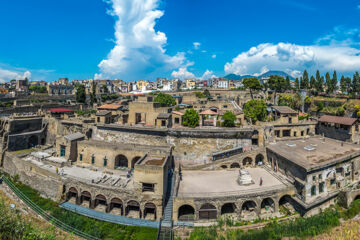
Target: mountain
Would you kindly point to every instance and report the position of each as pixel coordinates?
(267, 74)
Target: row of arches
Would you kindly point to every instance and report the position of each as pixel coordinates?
(246, 162)
(248, 210)
(122, 161)
(115, 206)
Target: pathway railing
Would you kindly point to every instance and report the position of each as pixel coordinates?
(45, 215)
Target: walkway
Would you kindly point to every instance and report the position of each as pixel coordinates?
(109, 217)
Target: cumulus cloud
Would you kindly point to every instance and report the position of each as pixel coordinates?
(182, 73)
(7, 75)
(213, 56)
(293, 58)
(196, 45)
(139, 50)
(208, 74)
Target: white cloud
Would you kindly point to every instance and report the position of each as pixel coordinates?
(213, 56)
(208, 74)
(7, 75)
(182, 73)
(292, 57)
(196, 45)
(139, 50)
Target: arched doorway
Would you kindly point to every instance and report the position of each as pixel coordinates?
(235, 165)
(116, 206)
(186, 213)
(72, 195)
(223, 166)
(85, 199)
(285, 206)
(228, 208)
(259, 160)
(207, 211)
(121, 161)
(150, 211)
(33, 141)
(100, 203)
(267, 205)
(134, 160)
(248, 209)
(247, 161)
(133, 209)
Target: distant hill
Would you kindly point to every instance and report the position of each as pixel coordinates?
(267, 74)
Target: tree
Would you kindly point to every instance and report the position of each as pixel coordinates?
(80, 94)
(229, 119)
(355, 84)
(328, 83)
(319, 82)
(312, 82)
(207, 93)
(288, 84)
(277, 83)
(105, 89)
(334, 81)
(93, 94)
(191, 118)
(165, 100)
(345, 85)
(252, 84)
(304, 81)
(255, 110)
(297, 84)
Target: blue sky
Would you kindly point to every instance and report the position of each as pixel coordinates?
(145, 39)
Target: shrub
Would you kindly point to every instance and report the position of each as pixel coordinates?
(191, 118)
(255, 110)
(229, 119)
(165, 100)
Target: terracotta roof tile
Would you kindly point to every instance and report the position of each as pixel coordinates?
(340, 120)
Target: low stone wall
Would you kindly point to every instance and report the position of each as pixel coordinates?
(48, 184)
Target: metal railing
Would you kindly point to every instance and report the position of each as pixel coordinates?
(45, 215)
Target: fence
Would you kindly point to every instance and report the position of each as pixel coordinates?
(46, 216)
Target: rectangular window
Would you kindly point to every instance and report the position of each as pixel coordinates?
(163, 123)
(92, 159)
(321, 187)
(290, 120)
(148, 187)
(302, 133)
(286, 133)
(81, 156)
(332, 181)
(294, 134)
(105, 162)
(177, 120)
(277, 133)
(314, 178)
(313, 190)
(62, 151)
(98, 119)
(320, 176)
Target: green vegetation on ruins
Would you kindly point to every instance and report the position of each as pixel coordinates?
(297, 228)
(96, 228)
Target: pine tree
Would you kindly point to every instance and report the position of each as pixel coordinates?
(288, 84)
(319, 82)
(312, 82)
(306, 80)
(355, 84)
(297, 84)
(343, 84)
(328, 83)
(334, 81)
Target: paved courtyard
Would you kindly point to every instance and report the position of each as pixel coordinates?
(212, 183)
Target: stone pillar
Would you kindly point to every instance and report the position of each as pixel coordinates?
(92, 204)
(277, 165)
(276, 206)
(78, 200)
(107, 210)
(196, 217)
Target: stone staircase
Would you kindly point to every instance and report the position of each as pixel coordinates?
(165, 230)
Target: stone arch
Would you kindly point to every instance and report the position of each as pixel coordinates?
(100, 202)
(259, 159)
(247, 161)
(133, 209)
(356, 197)
(33, 141)
(186, 213)
(207, 211)
(223, 166)
(248, 209)
(235, 165)
(134, 160)
(72, 193)
(285, 204)
(85, 197)
(228, 208)
(120, 161)
(150, 211)
(116, 206)
(267, 205)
